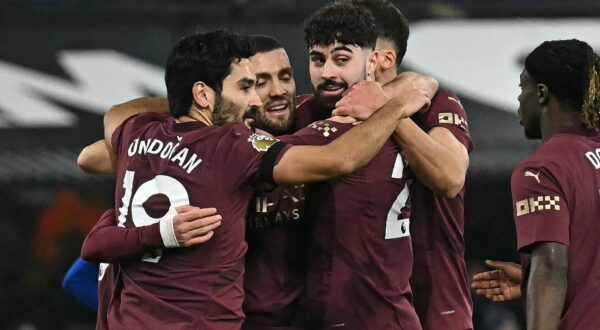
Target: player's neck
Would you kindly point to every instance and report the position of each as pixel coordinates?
(384, 77)
(558, 119)
(195, 114)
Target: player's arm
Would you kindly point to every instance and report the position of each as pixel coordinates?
(81, 281)
(98, 158)
(436, 157)
(107, 242)
(118, 113)
(547, 285)
(501, 284)
(355, 148)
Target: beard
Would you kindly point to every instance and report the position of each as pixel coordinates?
(328, 102)
(226, 111)
(276, 126)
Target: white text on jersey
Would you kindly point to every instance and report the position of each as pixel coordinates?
(165, 150)
(594, 157)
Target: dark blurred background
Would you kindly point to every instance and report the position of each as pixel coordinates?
(64, 62)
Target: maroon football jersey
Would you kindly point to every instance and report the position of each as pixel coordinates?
(440, 280)
(360, 256)
(276, 233)
(161, 165)
(556, 199)
(307, 111)
(107, 279)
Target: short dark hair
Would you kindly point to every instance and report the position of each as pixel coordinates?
(263, 43)
(205, 57)
(390, 24)
(571, 71)
(342, 22)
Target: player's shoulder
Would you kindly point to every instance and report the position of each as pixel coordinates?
(305, 112)
(330, 127)
(445, 99)
(145, 118)
(240, 133)
(548, 158)
(304, 100)
(446, 110)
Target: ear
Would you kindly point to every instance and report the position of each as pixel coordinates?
(386, 59)
(204, 96)
(543, 94)
(372, 64)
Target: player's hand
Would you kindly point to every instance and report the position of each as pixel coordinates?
(427, 84)
(343, 119)
(193, 225)
(501, 284)
(411, 100)
(361, 100)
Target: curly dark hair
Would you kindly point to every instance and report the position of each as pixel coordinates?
(571, 70)
(390, 24)
(205, 57)
(341, 22)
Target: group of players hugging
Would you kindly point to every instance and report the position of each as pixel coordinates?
(239, 204)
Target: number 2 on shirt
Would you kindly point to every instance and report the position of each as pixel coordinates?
(160, 184)
(396, 226)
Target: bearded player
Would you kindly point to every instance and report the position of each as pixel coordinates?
(436, 145)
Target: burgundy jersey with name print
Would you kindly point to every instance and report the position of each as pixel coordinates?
(556, 198)
(163, 164)
(360, 257)
(440, 280)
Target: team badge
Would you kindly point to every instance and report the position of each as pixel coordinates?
(324, 127)
(261, 142)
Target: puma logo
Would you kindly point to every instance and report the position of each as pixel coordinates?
(536, 175)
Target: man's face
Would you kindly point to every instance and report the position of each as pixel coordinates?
(276, 88)
(333, 69)
(238, 95)
(530, 111)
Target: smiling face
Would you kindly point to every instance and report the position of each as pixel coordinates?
(530, 111)
(276, 88)
(334, 68)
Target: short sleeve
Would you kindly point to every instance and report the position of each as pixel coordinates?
(540, 209)
(244, 152)
(446, 111)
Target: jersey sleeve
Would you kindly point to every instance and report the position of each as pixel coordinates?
(446, 111)
(540, 210)
(109, 243)
(245, 152)
(81, 281)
